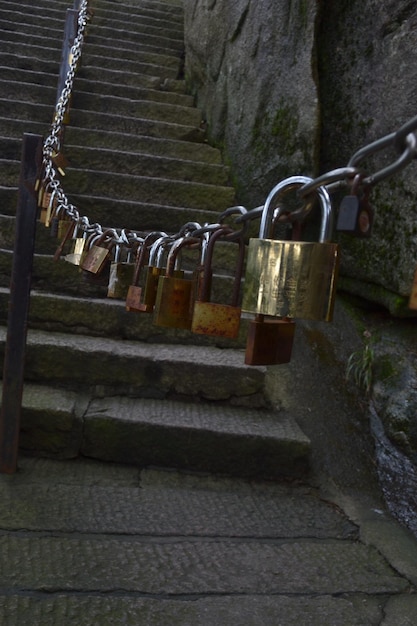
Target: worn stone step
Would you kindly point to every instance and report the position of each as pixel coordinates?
(33, 51)
(200, 437)
(139, 163)
(107, 317)
(26, 44)
(142, 188)
(108, 366)
(120, 77)
(134, 215)
(120, 105)
(152, 12)
(140, 65)
(98, 103)
(19, 22)
(83, 496)
(132, 125)
(155, 24)
(13, 129)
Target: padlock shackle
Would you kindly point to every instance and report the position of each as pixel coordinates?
(175, 250)
(271, 212)
(284, 186)
(143, 253)
(224, 232)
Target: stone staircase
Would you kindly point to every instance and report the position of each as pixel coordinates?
(100, 381)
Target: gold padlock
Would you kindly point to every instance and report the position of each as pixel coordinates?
(292, 279)
(214, 318)
(174, 298)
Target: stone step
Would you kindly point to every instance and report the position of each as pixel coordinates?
(161, 10)
(138, 163)
(113, 213)
(107, 366)
(150, 109)
(198, 151)
(114, 13)
(132, 187)
(119, 105)
(101, 317)
(199, 437)
(94, 62)
(32, 49)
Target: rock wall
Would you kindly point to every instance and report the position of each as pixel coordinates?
(296, 87)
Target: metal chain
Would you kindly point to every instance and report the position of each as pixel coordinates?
(404, 142)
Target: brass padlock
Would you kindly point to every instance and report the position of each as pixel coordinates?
(269, 341)
(78, 244)
(98, 255)
(134, 296)
(121, 272)
(213, 318)
(292, 279)
(174, 298)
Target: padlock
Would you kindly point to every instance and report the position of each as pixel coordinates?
(121, 272)
(356, 215)
(134, 296)
(292, 279)
(49, 211)
(269, 341)
(154, 270)
(98, 255)
(78, 244)
(412, 303)
(213, 318)
(174, 298)
(67, 235)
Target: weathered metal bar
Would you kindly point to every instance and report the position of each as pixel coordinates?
(13, 368)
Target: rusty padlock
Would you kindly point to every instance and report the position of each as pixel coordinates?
(134, 298)
(292, 279)
(269, 341)
(174, 298)
(155, 269)
(213, 318)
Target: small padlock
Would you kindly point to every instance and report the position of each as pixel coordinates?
(356, 215)
(79, 242)
(412, 303)
(67, 235)
(98, 256)
(292, 279)
(269, 341)
(213, 318)
(135, 292)
(154, 270)
(121, 273)
(174, 298)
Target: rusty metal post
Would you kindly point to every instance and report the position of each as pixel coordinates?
(13, 368)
